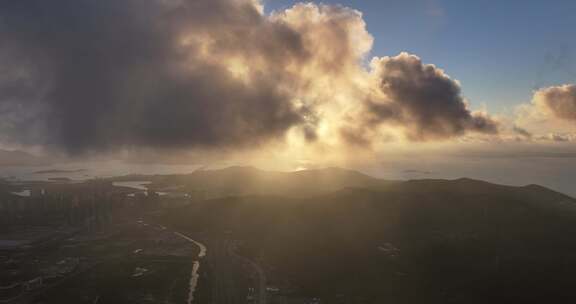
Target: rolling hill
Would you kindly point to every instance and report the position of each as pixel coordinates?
(373, 241)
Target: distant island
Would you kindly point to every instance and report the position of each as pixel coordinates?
(418, 172)
(60, 179)
(60, 171)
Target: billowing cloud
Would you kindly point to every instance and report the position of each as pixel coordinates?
(550, 116)
(88, 75)
(115, 73)
(557, 101)
(420, 99)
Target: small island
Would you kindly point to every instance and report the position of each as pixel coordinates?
(57, 171)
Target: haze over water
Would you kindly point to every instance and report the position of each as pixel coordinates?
(557, 173)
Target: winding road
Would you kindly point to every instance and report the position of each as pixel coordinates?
(195, 267)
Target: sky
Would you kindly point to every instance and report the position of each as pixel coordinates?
(499, 50)
(386, 86)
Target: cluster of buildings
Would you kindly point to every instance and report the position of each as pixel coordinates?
(85, 206)
(35, 221)
(15, 278)
(39, 219)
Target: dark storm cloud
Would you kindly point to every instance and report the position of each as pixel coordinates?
(108, 73)
(427, 100)
(421, 100)
(87, 75)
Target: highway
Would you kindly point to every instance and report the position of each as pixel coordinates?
(195, 267)
(232, 275)
(261, 288)
(203, 249)
(228, 279)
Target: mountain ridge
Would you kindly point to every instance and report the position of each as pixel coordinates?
(244, 180)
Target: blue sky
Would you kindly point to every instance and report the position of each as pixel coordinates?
(499, 50)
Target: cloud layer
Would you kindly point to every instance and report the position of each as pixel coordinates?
(82, 75)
